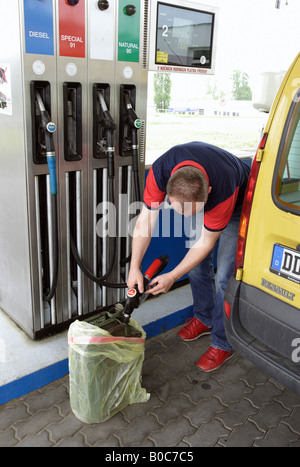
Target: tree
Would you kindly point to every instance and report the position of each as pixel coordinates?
(162, 90)
(241, 90)
(214, 91)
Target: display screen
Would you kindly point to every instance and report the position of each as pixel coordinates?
(184, 36)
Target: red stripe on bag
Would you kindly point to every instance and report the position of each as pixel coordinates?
(103, 340)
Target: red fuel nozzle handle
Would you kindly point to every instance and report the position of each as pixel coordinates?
(134, 297)
(156, 267)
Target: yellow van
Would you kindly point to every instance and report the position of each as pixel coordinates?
(262, 300)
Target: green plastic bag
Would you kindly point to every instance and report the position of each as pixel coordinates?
(105, 371)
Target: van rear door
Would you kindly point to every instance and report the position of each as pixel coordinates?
(272, 254)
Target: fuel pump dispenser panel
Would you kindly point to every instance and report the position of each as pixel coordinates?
(76, 113)
(62, 60)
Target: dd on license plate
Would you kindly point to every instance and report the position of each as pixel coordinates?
(286, 263)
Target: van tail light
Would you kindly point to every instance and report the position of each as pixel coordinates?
(227, 309)
(243, 229)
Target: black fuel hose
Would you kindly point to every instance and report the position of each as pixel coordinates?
(101, 281)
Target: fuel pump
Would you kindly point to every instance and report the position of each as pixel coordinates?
(47, 128)
(76, 61)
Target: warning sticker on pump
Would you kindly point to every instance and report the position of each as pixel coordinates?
(286, 263)
(162, 57)
(5, 89)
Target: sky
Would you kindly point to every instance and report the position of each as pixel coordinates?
(253, 36)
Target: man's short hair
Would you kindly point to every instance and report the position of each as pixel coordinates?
(188, 184)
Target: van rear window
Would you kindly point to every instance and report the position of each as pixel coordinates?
(287, 173)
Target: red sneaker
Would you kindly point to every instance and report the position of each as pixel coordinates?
(193, 329)
(213, 359)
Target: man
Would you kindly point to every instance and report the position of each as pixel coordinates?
(196, 176)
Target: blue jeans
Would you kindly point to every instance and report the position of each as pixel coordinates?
(208, 290)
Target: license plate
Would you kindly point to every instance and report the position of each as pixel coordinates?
(286, 263)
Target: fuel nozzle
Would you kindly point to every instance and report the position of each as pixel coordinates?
(48, 128)
(136, 298)
(110, 126)
(134, 124)
(109, 122)
(46, 125)
(132, 117)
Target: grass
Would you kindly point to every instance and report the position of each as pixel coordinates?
(232, 133)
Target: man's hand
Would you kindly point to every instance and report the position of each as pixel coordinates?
(135, 277)
(163, 284)
(140, 242)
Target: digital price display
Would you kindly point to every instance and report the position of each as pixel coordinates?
(184, 38)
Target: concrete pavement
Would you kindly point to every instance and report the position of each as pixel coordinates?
(237, 405)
